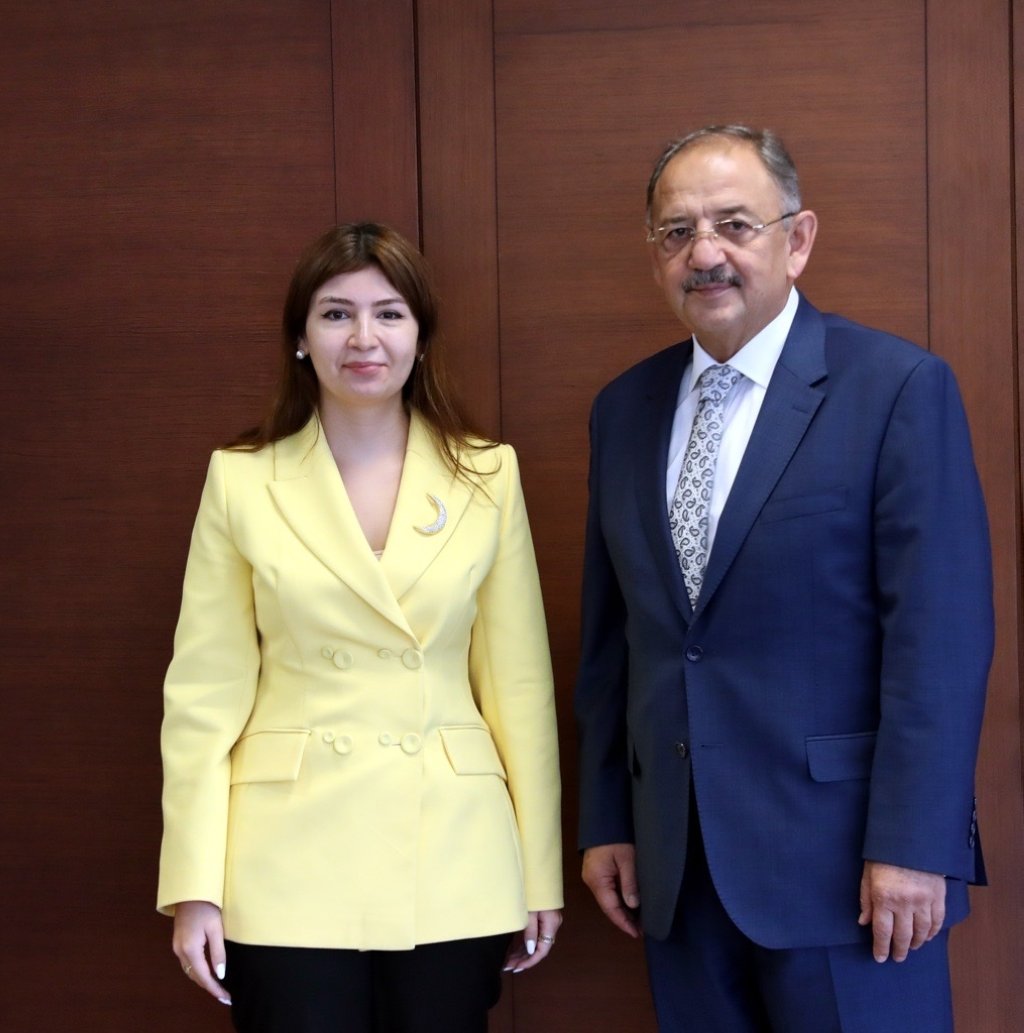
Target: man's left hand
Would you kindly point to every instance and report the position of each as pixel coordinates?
(905, 908)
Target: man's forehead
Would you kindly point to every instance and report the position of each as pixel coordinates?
(725, 174)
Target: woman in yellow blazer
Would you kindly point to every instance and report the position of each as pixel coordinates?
(360, 757)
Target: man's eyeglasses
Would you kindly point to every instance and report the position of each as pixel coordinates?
(673, 239)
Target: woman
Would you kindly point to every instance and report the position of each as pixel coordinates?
(361, 772)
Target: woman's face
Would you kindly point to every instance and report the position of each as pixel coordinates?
(362, 340)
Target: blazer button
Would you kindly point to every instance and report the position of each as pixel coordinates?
(683, 750)
(384, 654)
(342, 660)
(413, 659)
(384, 739)
(327, 652)
(694, 654)
(343, 744)
(328, 737)
(411, 743)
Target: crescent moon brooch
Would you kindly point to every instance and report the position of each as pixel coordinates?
(442, 517)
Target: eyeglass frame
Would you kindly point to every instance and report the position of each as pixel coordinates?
(713, 233)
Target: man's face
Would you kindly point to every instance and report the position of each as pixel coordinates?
(726, 293)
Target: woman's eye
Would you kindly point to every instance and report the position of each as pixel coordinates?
(335, 314)
(391, 314)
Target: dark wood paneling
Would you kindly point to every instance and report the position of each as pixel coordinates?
(162, 165)
(457, 186)
(971, 312)
(584, 101)
(375, 131)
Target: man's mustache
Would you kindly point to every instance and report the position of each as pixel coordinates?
(706, 277)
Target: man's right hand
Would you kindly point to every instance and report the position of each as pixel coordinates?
(610, 872)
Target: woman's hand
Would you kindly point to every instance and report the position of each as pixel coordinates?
(198, 944)
(534, 943)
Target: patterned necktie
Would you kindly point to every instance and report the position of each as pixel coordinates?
(688, 517)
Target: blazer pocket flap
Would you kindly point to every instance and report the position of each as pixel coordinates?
(270, 756)
(471, 750)
(804, 505)
(835, 758)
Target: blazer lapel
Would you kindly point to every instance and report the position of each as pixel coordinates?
(311, 498)
(652, 463)
(431, 502)
(789, 405)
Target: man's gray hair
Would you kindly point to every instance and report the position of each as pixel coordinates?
(768, 146)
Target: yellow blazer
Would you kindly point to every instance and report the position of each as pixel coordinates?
(360, 753)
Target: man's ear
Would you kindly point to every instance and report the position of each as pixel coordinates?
(801, 240)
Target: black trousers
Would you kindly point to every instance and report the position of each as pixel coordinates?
(439, 986)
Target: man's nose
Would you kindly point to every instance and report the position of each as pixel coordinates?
(706, 249)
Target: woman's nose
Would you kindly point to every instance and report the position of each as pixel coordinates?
(362, 331)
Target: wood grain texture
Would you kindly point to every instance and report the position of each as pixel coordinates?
(457, 187)
(375, 128)
(162, 166)
(584, 102)
(585, 94)
(972, 288)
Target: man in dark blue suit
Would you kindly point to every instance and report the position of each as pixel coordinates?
(787, 629)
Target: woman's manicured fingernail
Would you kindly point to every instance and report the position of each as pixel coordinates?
(531, 946)
(224, 1000)
(221, 969)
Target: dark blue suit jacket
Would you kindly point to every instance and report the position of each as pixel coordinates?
(826, 694)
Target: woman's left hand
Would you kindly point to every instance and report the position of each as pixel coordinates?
(534, 943)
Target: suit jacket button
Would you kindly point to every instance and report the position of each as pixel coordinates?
(384, 654)
(683, 750)
(328, 737)
(342, 660)
(327, 652)
(384, 739)
(694, 654)
(343, 744)
(413, 659)
(411, 743)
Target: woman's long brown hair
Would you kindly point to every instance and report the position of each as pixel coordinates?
(348, 249)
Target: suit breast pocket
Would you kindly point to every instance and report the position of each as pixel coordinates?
(838, 758)
(827, 501)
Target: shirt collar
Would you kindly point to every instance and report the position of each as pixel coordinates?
(757, 358)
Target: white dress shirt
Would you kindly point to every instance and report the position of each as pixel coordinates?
(756, 361)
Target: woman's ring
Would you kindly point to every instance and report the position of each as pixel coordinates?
(187, 969)
(546, 939)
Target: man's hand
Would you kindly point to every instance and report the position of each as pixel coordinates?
(610, 872)
(905, 908)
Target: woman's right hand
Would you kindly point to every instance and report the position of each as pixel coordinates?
(198, 944)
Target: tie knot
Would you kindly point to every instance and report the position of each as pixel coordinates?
(716, 382)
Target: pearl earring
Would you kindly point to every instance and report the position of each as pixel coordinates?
(300, 355)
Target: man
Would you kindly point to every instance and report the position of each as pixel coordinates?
(787, 630)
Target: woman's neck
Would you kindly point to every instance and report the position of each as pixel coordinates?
(359, 436)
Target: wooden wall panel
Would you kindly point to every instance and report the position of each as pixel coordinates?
(161, 167)
(457, 184)
(894, 117)
(375, 121)
(583, 105)
(972, 320)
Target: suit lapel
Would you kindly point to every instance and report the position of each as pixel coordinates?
(652, 451)
(789, 405)
(311, 498)
(418, 532)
